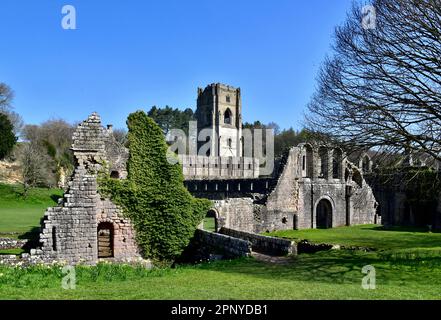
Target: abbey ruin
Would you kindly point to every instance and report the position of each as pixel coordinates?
(312, 186)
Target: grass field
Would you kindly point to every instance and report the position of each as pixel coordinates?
(371, 236)
(323, 275)
(19, 215)
(407, 264)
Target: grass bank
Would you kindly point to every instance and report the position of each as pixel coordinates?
(20, 215)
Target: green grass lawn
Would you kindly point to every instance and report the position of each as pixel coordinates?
(323, 275)
(372, 236)
(407, 264)
(19, 215)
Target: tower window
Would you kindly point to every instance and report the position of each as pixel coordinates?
(228, 99)
(229, 142)
(228, 117)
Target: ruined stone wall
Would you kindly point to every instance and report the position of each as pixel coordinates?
(124, 237)
(363, 206)
(236, 213)
(204, 245)
(283, 201)
(263, 244)
(289, 200)
(70, 230)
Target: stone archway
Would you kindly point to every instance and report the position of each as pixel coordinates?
(324, 214)
(105, 240)
(210, 222)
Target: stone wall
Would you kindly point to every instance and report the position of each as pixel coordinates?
(8, 243)
(263, 244)
(70, 230)
(205, 245)
(395, 208)
(293, 198)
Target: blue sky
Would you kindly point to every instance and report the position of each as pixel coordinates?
(131, 55)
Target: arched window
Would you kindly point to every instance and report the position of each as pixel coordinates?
(337, 164)
(229, 142)
(323, 156)
(228, 116)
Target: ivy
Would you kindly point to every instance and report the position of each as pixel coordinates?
(165, 215)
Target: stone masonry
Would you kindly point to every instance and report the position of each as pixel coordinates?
(71, 230)
(315, 187)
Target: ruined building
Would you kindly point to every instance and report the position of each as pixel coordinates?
(85, 226)
(312, 187)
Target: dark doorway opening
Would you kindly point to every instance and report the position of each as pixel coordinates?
(105, 240)
(324, 214)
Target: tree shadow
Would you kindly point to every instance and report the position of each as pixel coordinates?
(341, 267)
(33, 237)
(404, 229)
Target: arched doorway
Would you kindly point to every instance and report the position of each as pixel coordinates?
(210, 221)
(324, 214)
(105, 240)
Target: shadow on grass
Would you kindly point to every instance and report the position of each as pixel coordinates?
(56, 197)
(403, 229)
(33, 237)
(341, 267)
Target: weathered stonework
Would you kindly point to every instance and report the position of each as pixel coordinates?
(204, 245)
(85, 226)
(8, 243)
(316, 187)
(264, 244)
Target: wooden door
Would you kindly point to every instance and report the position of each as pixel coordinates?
(105, 240)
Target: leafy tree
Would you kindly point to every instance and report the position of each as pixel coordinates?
(7, 136)
(283, 139)
(289, 138)
(168, 118)
(164, 213)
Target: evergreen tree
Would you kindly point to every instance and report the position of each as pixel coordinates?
(7, 136)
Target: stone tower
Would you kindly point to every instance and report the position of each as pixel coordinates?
(219, 109)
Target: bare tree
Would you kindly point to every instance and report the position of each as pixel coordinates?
(381, 88)
(53, 138)
(120, 135)
(35, 166)
(6, 97)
